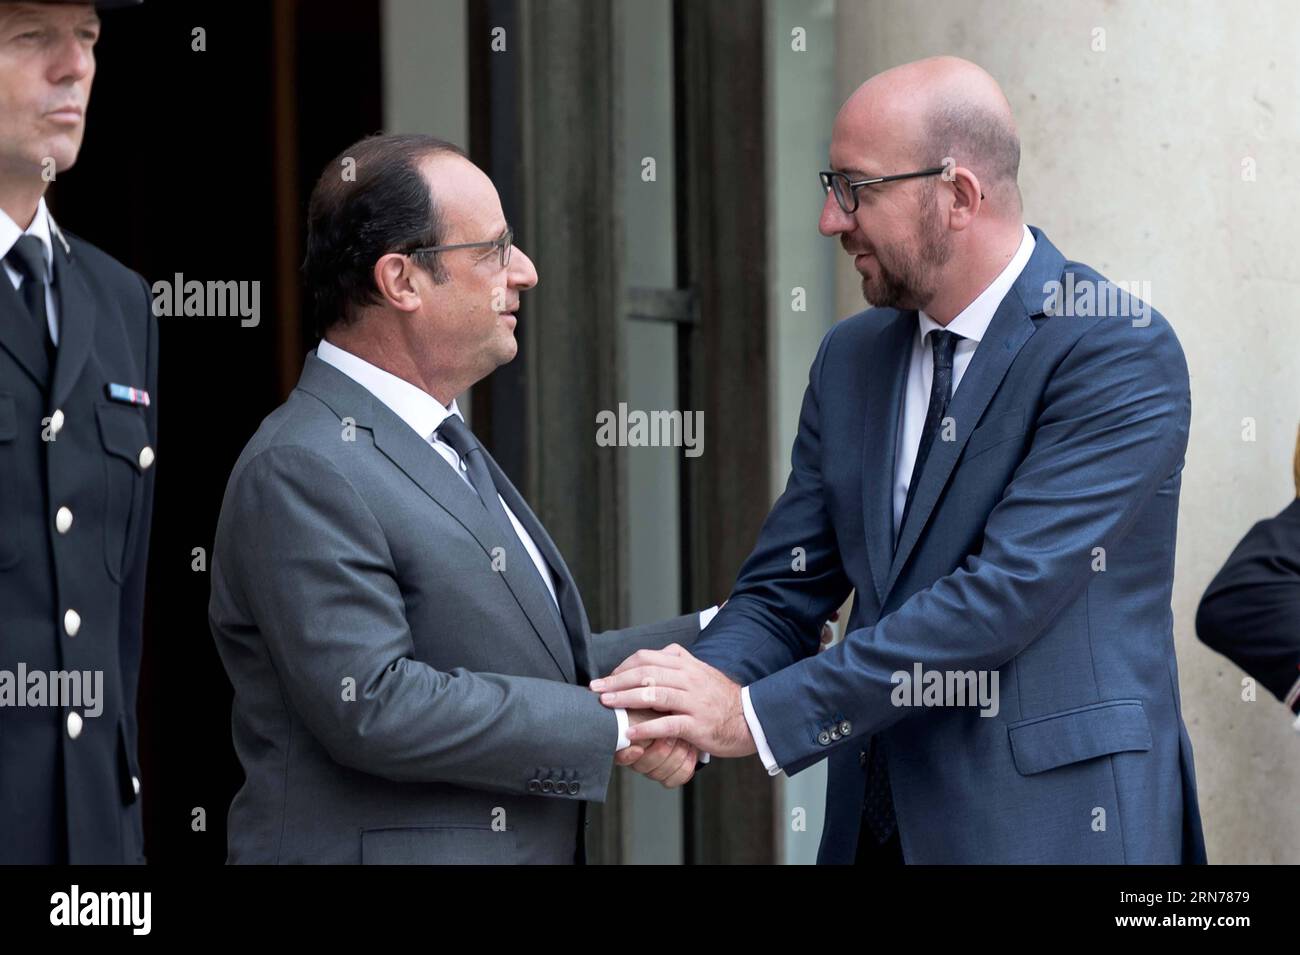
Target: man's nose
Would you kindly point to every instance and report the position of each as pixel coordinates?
(834, 220)
(522, 273)
(72, 60)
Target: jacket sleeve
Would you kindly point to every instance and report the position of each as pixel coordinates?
(794, 578)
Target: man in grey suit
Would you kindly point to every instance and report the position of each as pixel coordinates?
(408, 651)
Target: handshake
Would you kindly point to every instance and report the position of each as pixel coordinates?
(678, 707)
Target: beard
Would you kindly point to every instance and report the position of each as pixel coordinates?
(907, 279)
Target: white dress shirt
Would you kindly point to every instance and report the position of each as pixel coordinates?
(425, 414)
(971, 323)
(10, 233)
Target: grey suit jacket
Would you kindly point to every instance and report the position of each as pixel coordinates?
(405, 690)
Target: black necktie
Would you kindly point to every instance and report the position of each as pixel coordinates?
(27, 258)
(944, 344)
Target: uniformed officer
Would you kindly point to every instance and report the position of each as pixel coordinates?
(78, 418)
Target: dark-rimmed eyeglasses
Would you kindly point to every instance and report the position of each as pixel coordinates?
(503, 246)
(846, 189)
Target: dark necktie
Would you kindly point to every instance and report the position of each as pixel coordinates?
(458, 435)
(878, 805)
(27, 258)
(944, 345)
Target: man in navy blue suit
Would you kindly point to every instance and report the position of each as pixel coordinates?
(990, 458)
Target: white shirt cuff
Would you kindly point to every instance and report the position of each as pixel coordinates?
(706, 616)
(756, 731)
(623, 741)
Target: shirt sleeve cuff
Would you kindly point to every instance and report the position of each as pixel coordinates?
(756, 730)
(623, 741)
(706, 616)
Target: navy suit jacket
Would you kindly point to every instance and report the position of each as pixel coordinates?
(1039, 546)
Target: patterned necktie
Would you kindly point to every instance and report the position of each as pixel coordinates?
(944, 344)
(27, 258)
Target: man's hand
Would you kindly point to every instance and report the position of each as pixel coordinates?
(703, 704)
(667, 761)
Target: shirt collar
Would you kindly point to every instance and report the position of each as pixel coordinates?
(420, 410)
(973, 320)
(40, 228)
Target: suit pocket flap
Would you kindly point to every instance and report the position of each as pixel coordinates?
(123, 431)
(1046, 742)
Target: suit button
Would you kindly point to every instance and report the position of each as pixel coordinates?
(62, 520)
(846, 728)
(74, 724)
(146, 457)
(548, 786)
(56, 421)
(135, 785)
(835, 735)
(862, 759)
(573, 788)
(72, 622)
(824, 738)
(534, 786)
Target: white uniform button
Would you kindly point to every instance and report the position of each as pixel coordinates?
(56, 421)
(146, 457)
(74, 724)
(135, 785)
(72, 622)
(62, 520)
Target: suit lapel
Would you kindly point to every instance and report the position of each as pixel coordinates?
(887, 376)
(1007, 333)
(419, 462)
(19, 335)
(76, 322)
(566, 589)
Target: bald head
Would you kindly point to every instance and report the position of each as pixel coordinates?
(917, 114)
(919, 239)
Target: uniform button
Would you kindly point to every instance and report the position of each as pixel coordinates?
(74, 724)
(548, 785)
(62, 520)
(135, 785)
(573, 788)
(56, 421)
(846, 728)
(824, 738)
(146, 457)
(534, 786)
(72, 622)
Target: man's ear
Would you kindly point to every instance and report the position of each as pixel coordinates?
(394, 276)
(967, 196)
